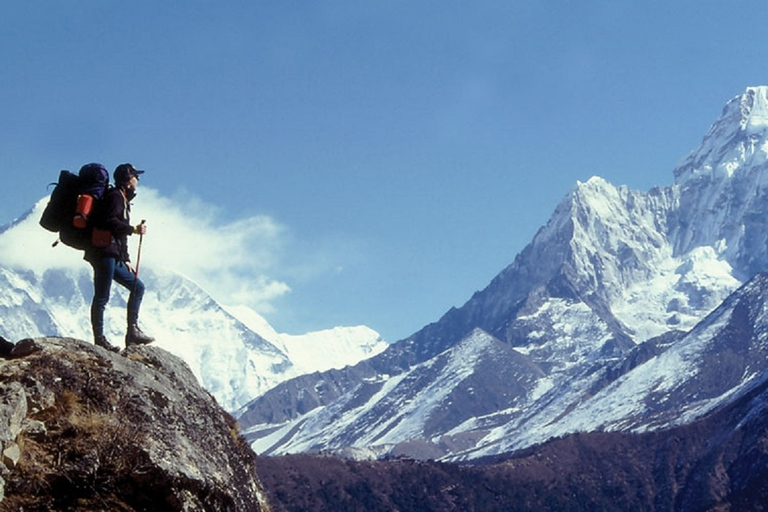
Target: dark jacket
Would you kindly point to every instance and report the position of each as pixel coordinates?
(113, 213)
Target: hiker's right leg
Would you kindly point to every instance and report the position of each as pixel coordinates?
(103, 272)
(124, 276)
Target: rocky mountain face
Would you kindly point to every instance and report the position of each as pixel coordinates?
(84, 429)
(621, 315)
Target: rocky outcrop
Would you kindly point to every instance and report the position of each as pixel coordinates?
(86, 429)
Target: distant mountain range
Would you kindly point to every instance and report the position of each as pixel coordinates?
(235, 354)
(629, 311)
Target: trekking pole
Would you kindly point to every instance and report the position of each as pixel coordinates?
(138, 256)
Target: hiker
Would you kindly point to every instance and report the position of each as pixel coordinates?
(113, 262)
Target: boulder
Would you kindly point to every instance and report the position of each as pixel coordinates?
(84, 429)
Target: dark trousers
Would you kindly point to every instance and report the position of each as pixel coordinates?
(105, 270)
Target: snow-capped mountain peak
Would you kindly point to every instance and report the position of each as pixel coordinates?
(614, 280)
(738, 137)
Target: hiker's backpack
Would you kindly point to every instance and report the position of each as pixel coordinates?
(71, 203)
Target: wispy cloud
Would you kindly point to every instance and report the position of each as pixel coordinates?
(232, 259)
(25, 245)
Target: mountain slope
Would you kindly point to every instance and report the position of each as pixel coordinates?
(722, 358)
(717, 463)
(384, 410)
(610, 281)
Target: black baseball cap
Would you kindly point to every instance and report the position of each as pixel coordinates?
(124, 172)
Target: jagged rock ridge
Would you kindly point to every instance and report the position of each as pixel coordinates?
(86, 429)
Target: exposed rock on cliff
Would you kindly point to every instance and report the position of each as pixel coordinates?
(85, 429)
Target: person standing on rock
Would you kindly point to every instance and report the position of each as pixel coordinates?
(112, 262)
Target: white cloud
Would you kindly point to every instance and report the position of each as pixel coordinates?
(25, 245)
(232, 260)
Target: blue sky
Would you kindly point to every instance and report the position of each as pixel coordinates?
(400, 153)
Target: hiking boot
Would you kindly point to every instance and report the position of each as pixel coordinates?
(135, 336)
(102, 342)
